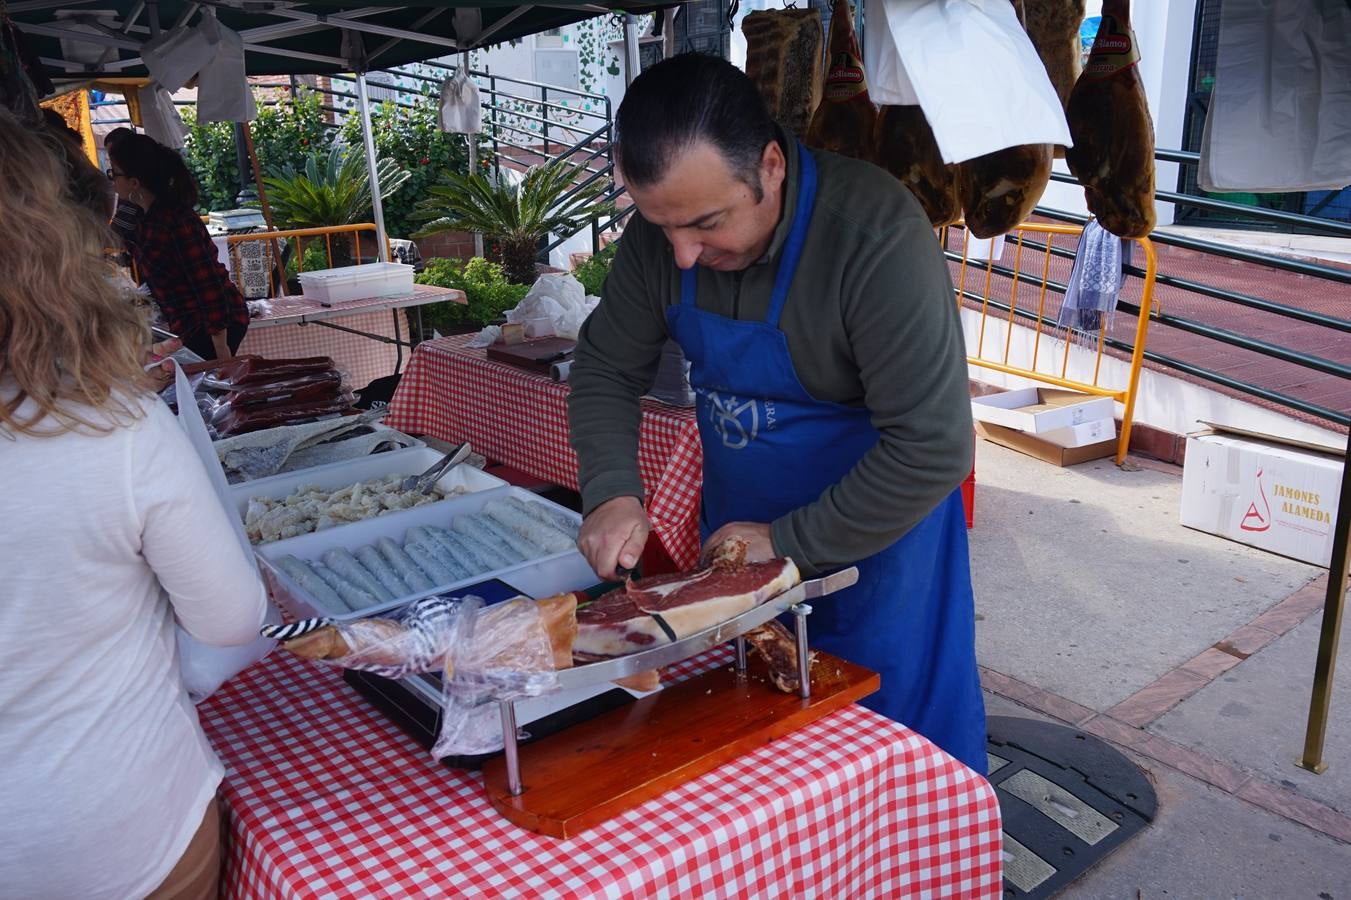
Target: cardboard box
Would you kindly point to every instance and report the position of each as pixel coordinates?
(1082, 435)
(1036, 445)
(1263, 491)
(1038, 410)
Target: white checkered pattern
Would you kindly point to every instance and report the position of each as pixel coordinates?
(327, 798)
(520, 418)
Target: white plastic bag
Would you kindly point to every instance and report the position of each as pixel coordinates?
(205, 668)
(159, 118)
(223, 92)
(1280, 114)
(460, 112)
(559, 299)
(972, 68)
(176, 55)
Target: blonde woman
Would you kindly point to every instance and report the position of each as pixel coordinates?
(110, 532)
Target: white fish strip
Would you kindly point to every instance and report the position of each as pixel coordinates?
(353, 597)
(533, 530)
(426, 561)
(346, 565)
(547, 514)
(308, 580)
(408, 570)
(527, 549)
(461, 552)
(377, 565)
(496, 554)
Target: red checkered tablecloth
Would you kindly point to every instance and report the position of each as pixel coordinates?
(291, 330)
(327, 798)
(520, 418)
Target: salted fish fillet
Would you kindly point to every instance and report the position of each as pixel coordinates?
(622, 621)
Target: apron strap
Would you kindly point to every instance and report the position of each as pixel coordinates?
(797, 237)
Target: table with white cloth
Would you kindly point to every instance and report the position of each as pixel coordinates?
(363, 336)
(325, 797)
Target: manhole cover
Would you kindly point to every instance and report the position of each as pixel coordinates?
(1067, 800)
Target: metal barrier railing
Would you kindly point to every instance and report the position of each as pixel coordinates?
(1188, 291)
(275, 259)
(1052, 365)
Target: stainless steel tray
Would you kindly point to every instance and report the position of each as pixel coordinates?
(668, 654)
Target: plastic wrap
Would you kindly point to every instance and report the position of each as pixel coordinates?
(484, 654)
(249, 369)
(410, 641)
(506, 653)
(228, 419)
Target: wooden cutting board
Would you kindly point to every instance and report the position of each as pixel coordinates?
(596, 770)
(537, 355)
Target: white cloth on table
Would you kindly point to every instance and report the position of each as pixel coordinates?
(107, 770)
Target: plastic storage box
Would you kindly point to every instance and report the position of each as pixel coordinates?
(551, 574)
(357, 282)
(413, 461)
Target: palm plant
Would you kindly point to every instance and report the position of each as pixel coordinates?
(550, 198)
(331, 190)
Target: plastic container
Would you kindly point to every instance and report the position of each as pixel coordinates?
(552, 574)
(357, 282)
(332, 477)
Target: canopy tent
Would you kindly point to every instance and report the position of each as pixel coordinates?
(79, 39)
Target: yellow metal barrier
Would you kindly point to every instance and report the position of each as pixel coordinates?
(272, 255)
(1042, 323)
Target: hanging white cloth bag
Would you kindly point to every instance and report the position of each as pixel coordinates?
(223, 92)
(460, 112)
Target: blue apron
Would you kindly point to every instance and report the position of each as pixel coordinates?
(770, 447)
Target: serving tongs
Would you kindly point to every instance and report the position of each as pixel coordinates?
(427, 480)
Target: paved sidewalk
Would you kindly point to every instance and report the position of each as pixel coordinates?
(1193, 654)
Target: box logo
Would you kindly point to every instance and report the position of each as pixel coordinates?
(1253, 519)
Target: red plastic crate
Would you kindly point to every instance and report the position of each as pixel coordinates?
(969, 497)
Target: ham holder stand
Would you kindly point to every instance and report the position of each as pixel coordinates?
(577, 778)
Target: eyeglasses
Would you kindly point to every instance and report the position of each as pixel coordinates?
(113, 173)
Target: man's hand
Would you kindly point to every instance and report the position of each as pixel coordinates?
(614, 533)
(756, 535)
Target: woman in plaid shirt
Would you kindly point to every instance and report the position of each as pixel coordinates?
(173, 251)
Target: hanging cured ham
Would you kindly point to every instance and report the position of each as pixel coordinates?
(1113, 152)
(783, 59)
(1053, 26)
(844, 120)
(1000, 189)
(904, 145)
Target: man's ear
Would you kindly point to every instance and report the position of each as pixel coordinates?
(773, 168)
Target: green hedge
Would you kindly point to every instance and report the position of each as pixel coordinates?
(486, 289)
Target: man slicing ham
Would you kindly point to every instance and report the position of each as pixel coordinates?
(814, 304)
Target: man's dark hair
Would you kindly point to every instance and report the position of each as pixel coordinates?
(686, 99)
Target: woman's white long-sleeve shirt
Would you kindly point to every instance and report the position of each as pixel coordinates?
(104, 540)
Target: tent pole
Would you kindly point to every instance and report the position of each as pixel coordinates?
(473, 153)
(631, 62)
(364, 108)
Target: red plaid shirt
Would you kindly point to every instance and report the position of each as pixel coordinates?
(176, 258)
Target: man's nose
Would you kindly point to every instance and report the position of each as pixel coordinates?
(686, 250)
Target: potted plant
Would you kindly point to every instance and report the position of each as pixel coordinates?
(550, 198)
(332, 189)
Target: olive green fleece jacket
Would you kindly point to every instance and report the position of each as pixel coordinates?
(870, 321)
